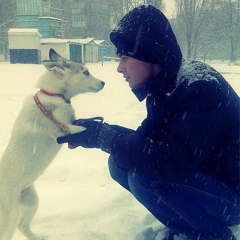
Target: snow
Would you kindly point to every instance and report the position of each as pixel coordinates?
(78, 198)
(25, 31)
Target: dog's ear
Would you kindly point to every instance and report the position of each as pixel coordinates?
(54, 56)
(56, 62)
(55, 66)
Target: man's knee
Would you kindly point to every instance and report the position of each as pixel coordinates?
(112, 168)
(117, 173)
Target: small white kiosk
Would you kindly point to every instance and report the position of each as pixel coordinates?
(24, 45)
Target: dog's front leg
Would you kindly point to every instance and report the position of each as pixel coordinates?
(75, 129)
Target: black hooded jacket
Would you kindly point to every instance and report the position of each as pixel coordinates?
(192, 122)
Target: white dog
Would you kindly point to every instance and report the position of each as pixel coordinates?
(32, 146)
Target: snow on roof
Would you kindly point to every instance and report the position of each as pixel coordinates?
(85, 41)
(60, 40)
(98, 42)
(55, 40)
(24, 31)
(53, 18)
(77, 41)
(90, 38)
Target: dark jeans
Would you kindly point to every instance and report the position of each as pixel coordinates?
(202, 208)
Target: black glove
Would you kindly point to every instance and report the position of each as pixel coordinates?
(97, 135)
(121, 129)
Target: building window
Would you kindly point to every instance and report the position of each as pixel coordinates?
(78, 15)
(78, 20)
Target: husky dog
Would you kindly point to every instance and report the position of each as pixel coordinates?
(32, 146)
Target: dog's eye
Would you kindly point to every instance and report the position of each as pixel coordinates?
(86, 73)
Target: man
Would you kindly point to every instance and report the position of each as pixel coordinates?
(182, 163)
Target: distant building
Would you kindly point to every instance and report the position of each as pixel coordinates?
(83, 19)
(93, 18)
(69, 19)
(40, 14)
(24, 45)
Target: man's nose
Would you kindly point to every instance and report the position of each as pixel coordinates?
(120, 68)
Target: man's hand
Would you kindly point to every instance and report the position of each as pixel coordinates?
(97, 135)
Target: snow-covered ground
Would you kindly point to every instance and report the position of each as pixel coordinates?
(78, 198)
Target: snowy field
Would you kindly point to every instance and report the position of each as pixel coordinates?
(78, 198)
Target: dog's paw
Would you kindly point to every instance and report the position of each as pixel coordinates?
(42, 238)
(36, 237)
(75, 129)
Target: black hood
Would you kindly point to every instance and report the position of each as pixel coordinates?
(147, 28)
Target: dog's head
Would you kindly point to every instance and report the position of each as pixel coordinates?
(69, 77)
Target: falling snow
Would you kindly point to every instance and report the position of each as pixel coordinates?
(78, 198)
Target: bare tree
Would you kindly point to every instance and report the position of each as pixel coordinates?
(156, 3)
(230, 19)
(130, 4)
(100, 16)
(7, 20)
(194, 17)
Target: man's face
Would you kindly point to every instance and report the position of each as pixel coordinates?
(137, 73)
